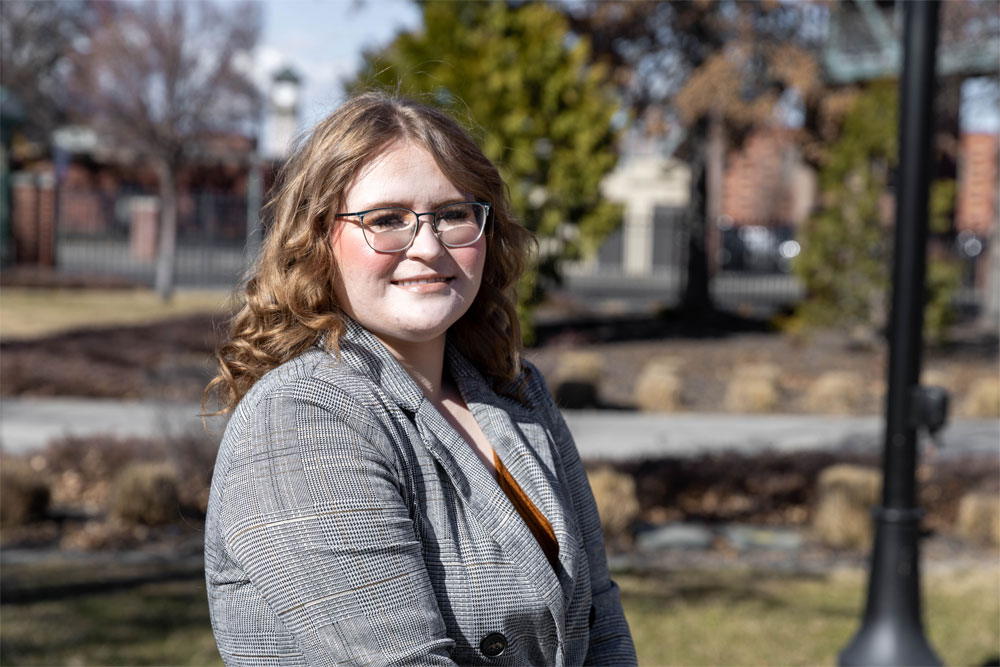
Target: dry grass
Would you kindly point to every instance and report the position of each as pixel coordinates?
(27, 313)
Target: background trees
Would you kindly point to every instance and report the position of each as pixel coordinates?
(703, 74)
(159, 78)
(847, 245)
(525, 87)
(37, 43)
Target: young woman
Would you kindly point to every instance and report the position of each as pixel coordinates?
(396, 485)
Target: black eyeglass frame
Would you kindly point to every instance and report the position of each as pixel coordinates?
(360, 215)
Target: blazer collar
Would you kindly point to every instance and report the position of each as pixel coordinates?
(365, 353)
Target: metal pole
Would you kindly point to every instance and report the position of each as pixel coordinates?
(892, 632)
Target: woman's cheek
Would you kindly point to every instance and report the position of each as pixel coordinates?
(357, 261)
(472, 259)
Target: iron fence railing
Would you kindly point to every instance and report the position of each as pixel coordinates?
(116, 234)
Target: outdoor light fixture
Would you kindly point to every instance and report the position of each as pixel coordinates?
(891, 632)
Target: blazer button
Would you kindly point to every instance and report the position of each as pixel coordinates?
(493, 644)
(591, 617)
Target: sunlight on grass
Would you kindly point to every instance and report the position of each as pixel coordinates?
(677, 618)
(162, 623)
(744, 618)
(32, 313)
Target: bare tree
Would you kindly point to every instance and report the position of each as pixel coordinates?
(37, 42)
(160, 78)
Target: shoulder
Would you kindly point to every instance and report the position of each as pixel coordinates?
(316, 378)
(313, 400)
(533, 393)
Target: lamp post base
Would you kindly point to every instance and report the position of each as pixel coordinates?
(892, 631)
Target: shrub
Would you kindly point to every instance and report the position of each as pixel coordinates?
(753, 388)
(845, 495)
(659, 387)
(24, 494)
(578, 376)
(146, 493)
(982, 399)
(979, 518)
(617, 504)
(847, 244)
(835, 392)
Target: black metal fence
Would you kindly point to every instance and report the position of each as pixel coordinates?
(643, 265)
(116, 234)
(640, 267)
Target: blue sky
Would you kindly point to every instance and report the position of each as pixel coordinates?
(323, 41)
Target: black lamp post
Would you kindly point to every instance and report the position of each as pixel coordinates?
(892, 631)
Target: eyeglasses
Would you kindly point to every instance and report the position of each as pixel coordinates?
(393, 229)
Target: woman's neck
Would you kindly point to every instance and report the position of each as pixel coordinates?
(424, 362)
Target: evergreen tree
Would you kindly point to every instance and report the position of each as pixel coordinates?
(846, 254)
(522, 84)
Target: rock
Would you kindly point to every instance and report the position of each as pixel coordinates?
(746, 538)
(691, 536)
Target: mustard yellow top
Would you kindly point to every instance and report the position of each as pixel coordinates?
(535, 520)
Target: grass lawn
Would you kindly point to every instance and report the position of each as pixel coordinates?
(743, 618)
(677, 618)
(31, 312)
(87, 615)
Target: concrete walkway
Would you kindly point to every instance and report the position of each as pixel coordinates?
(28, 424)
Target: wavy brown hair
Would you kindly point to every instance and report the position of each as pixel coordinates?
(288, 301)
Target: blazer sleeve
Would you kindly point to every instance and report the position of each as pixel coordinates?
(314, 515)
(610, 638)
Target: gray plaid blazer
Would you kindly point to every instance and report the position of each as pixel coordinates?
(349, 523)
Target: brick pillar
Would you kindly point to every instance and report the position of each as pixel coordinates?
(46, 219)
(143, 226)
(23, 216)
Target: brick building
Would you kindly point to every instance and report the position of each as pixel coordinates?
(767, 181)
(976, 205)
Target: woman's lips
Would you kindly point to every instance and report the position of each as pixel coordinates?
(424, 284)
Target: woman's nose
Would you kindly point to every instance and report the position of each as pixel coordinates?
(426, 244)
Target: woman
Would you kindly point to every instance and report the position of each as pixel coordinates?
(395, 484)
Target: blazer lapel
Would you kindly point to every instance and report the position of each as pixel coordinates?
(521, 443)
(525, 448)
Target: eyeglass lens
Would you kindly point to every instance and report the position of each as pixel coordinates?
(392, 229)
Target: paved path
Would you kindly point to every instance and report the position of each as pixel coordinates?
(27, 424)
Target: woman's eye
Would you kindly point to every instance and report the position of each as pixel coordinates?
(455, 214)
(385, 221)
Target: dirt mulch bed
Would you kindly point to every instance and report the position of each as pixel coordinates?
(170, 360)
(173, 360)
(767, 489)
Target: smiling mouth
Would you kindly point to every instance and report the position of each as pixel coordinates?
(422, 281)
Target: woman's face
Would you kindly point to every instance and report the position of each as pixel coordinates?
(378, 290)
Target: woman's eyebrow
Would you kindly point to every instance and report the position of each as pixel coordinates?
(399, 204)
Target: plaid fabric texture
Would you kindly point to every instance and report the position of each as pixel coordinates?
(349, 524)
